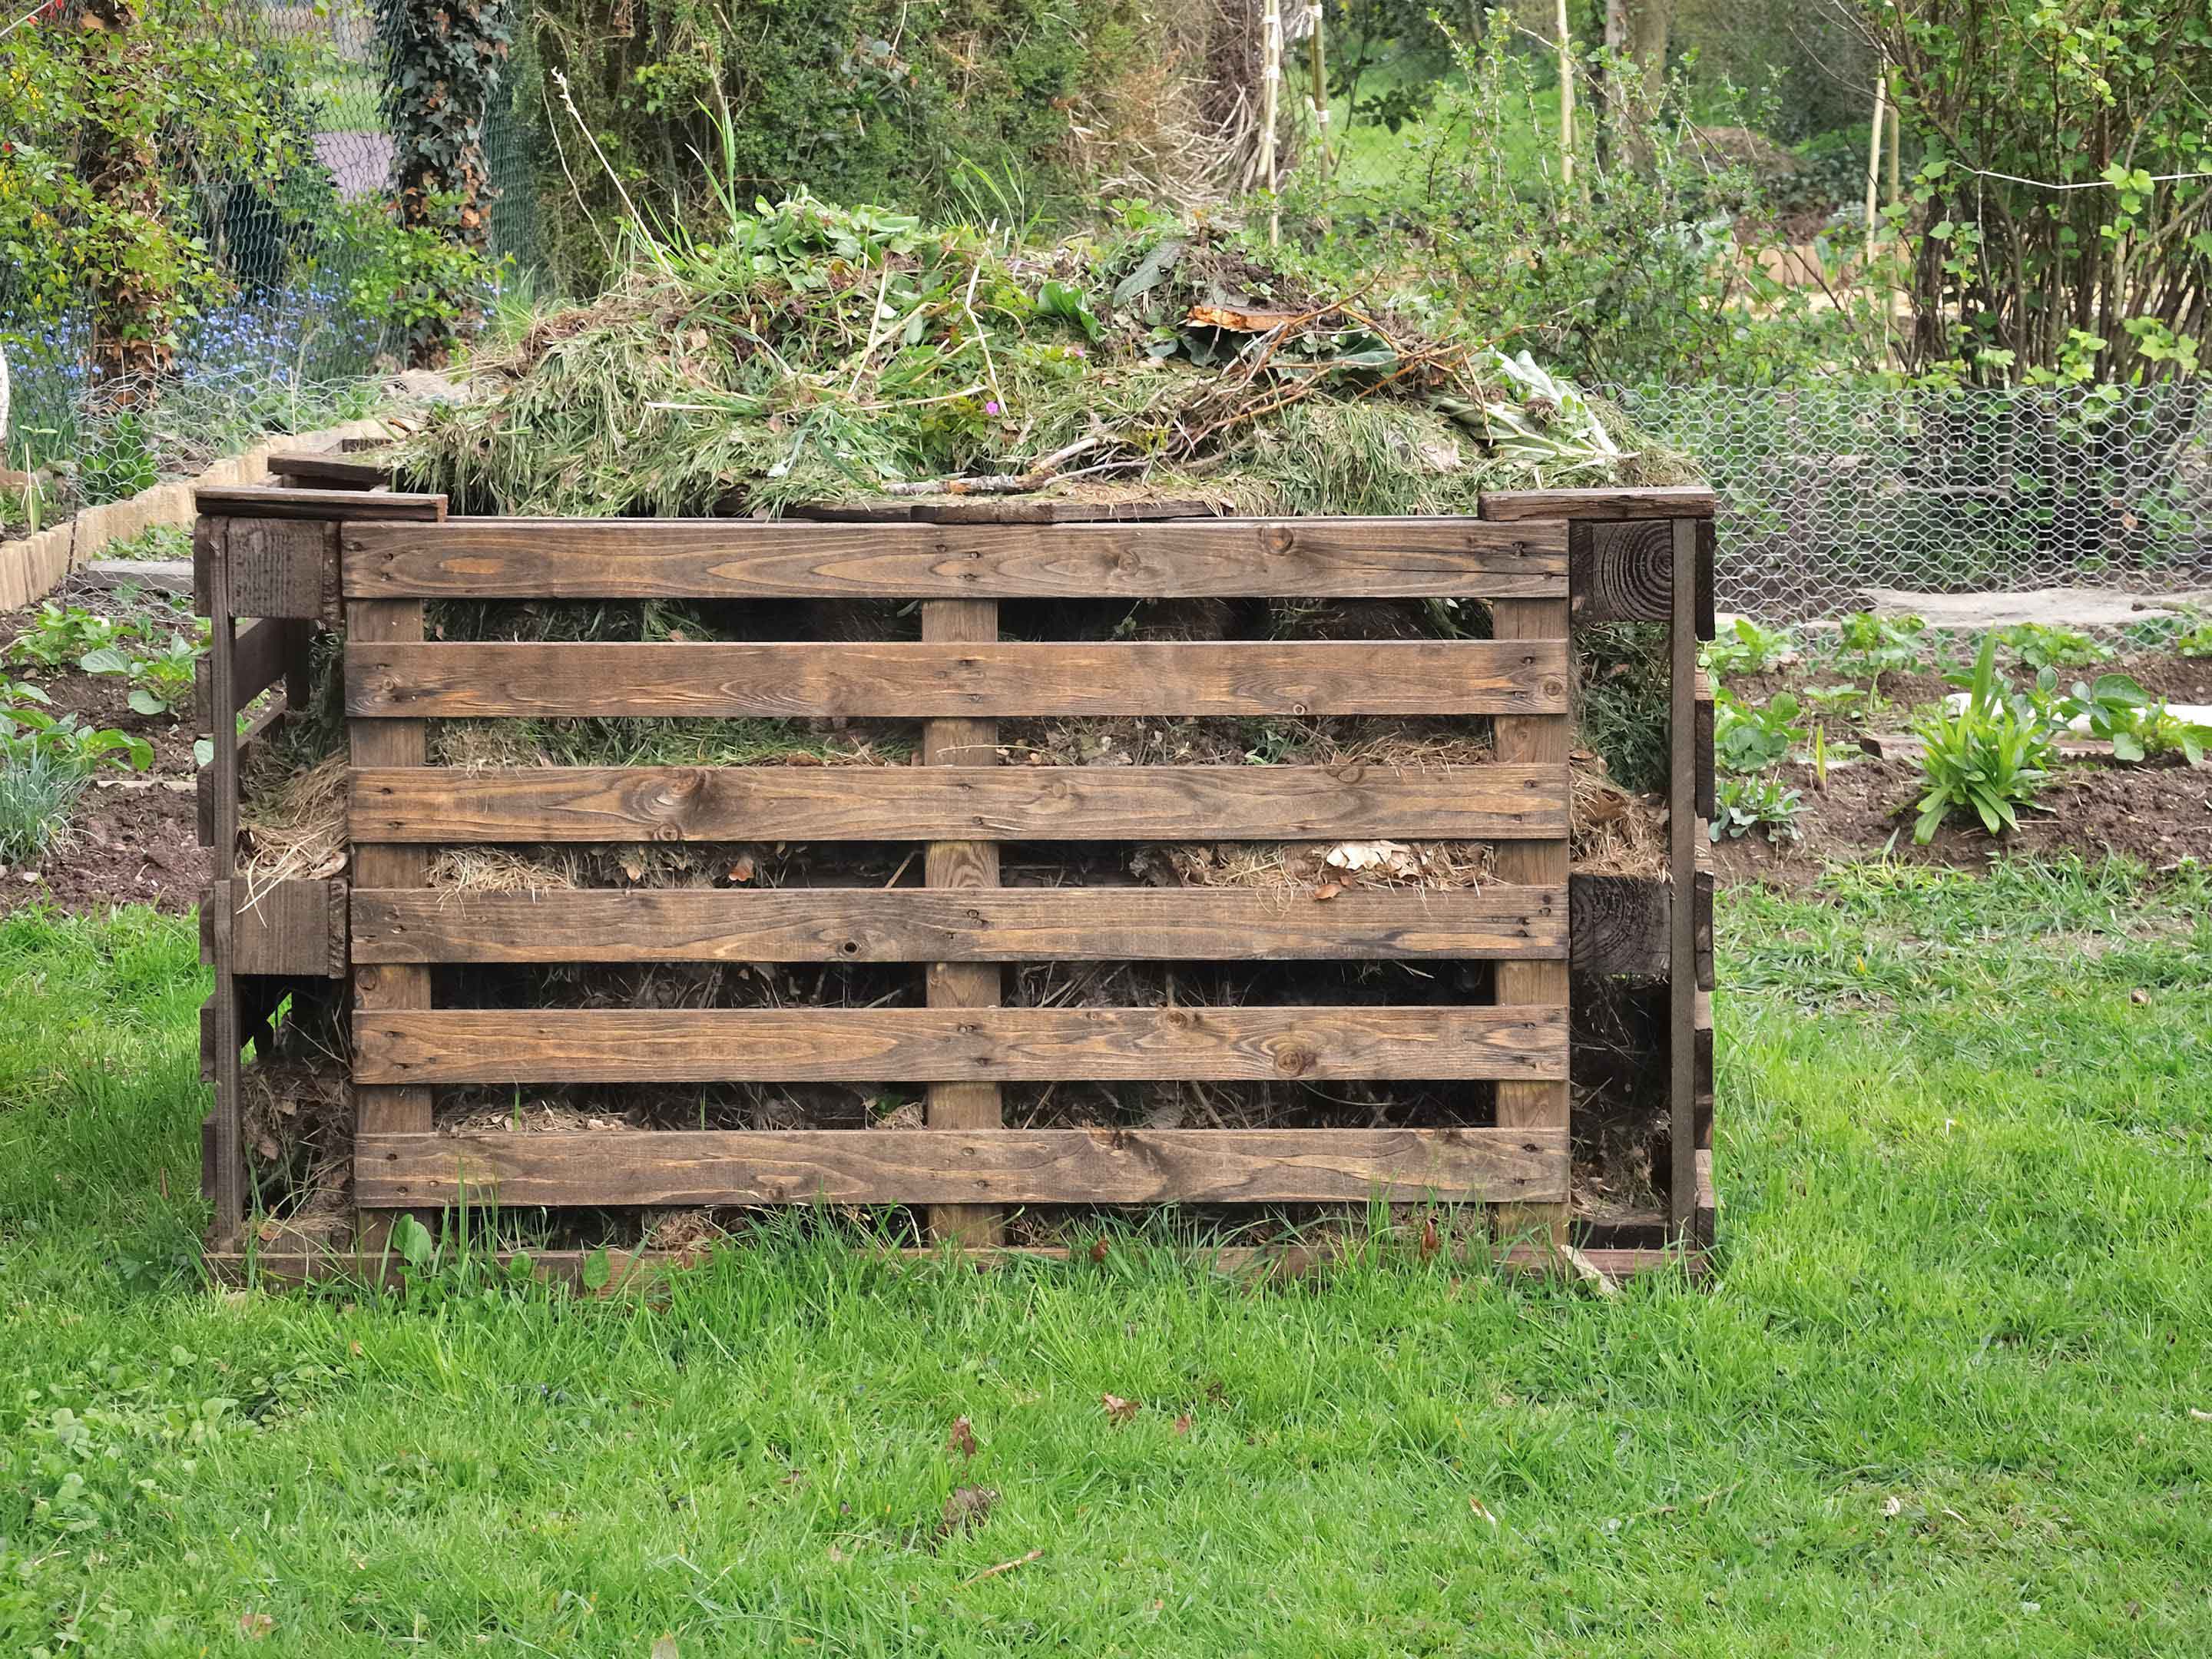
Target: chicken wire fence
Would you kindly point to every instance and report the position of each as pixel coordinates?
(293, 256)
(1829, 490)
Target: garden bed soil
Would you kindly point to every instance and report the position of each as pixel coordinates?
(134, 836)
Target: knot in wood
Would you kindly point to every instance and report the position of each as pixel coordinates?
(1280, 540)
(1295, 1059)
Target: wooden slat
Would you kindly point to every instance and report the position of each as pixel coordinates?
(227, 1183)
(1002, 803)
(717, 559)
(1035, 924)
(930, 680)
(1620, 925)
(1701, 737)
(1682, 837)
(388, 991)
(971, 866)
(289, 928)
(1542, 743)
(282, 568)
(962, 1166)
(909, 1045)
(1522, 505)
(329, 470)
(266, 501)
(264, 654)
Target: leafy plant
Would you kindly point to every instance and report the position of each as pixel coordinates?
(60, 634)
(1881, 645)
(68, 741)
(1747, 737)
(1742, 805)
(1845, 703)
(2121, 712)
(1992, 756)
(1749, 649)
(37, 792)
(2039, 647)
(160, 680)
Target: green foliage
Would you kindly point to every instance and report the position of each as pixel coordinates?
(119, 461)
(1748, 649)
(418, 279)
(2038, 647)
(161, 680)
(1990, 757)
(1000, 109)
(37, 792)
(2138, 727)
(2046, 236)
(1750, 738)
(1843, 702)
(29, 732)
(110, 121)
(1875, 645)
(1742, 805)
(58, 635)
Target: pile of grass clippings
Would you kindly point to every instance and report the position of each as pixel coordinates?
(814, 354)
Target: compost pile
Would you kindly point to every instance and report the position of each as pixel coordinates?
(820, 357)
(815, 354)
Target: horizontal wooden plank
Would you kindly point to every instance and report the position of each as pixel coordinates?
(917, 924)
(723, 558)
(261, 660)
(295, 928)
(581, 679)
(281, 567)
(954, 1045)
(1525, 505)
(962, 1166)
(956, 803)
(269, 502)
(328, 470)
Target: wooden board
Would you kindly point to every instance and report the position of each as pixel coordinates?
(583, 679)
(1001, 804)
(719, 558)
(295, 929)
(937, 1045)
(1671, 501)
(329, 471)
(962, 1166)
(263, 655)
(267, 501)
(1035, 924)
(1621, 571)
(282, 568)
(1683, 837)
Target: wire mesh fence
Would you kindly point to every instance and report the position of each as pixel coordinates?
(1829, 490)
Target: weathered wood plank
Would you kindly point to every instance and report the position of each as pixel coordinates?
(971, 866)
(228, 1182)
(1701, 738)
(1620, 925)
(1671, 501)
(719, 559)
(297, 928)
(265, 502)
(1037, 924)
(1620, 571)
(583, 679)
(1542, 744)
(282, 568)
(964, 1166)
(312, 469)
(944, 1045)
(393, 990)
(1682, 838)
(1001, 804)
(263, 655)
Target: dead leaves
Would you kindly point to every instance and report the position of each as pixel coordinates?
(255, 1626)
(665, 1647)
(966, 1507)
(1119, 1410)
(962, 1438)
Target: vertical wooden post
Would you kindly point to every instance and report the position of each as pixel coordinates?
(1682, 876)
(963, 742)
(228, 1184)
(1537, 740)
(383, 987)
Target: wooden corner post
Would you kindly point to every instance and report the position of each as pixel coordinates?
(963, 742)
(1682, 830)
(226, 1183)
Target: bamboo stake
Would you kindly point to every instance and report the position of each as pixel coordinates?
(1271, 80)
(1566, 100)
(1317, 63)
(1873, 158)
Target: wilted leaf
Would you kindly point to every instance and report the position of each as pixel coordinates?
(1243, 322)
(962, 1438)
(665, 1648)
(1328, 891)
(741, 867)
(1097, 1250)
(1118, 1410)
(255, 1626)
(1481, 1511)
(967, 1506)
(1430, 1243)
(1182, 1425)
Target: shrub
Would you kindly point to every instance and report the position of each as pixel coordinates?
(1991, 757)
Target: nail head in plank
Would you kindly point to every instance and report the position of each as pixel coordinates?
(725, 558)
(1001, 804)
(964, 1166)
(940, 1045)
(939, 678)
(1036, 924)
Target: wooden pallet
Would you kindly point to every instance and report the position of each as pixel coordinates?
(278, 564)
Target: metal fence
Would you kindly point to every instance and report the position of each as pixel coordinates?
(1828, 490)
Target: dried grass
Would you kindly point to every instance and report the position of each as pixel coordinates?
(292, 821)
(1614, 831)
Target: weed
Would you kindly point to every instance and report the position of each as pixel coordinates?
(60, 634)
(1742, 805)
(1875, 645)
(160, 680)
(1750, 738)
(64, 740)
(2120, 711)
(1992, 756)
(1749, 649)
(1841, 702)
(2039, 647)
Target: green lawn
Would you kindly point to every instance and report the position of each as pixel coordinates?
(1947, 1397)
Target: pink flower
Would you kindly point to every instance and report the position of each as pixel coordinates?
(1076, 351)
(992, 407)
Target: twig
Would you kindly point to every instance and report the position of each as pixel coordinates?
(982, 338)
(1003, 1566)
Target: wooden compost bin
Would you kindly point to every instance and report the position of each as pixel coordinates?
(277, 566)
